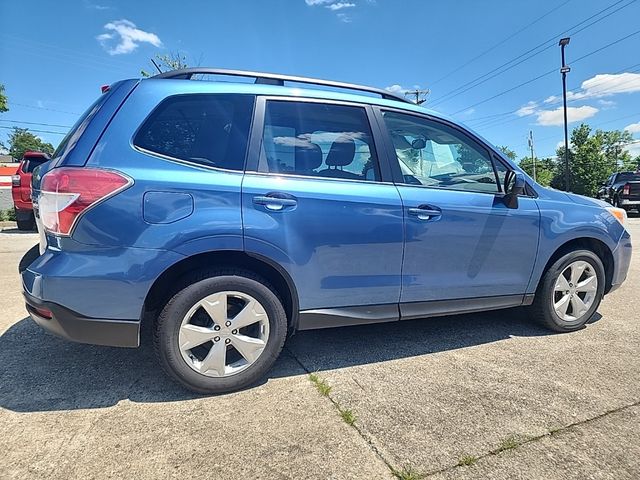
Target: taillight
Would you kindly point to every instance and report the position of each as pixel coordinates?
(67, 192)
(625, 189)
(15, 180)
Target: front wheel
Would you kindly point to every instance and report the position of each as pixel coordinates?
(570, 292)
(221, 332)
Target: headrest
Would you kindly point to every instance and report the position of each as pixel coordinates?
(308, 157)
(342, 152)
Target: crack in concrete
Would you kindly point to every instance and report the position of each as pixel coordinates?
(338, 407)
(532, 439)
(495, 451)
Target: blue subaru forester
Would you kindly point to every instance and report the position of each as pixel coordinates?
(231, 214)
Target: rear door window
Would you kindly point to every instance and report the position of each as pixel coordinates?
(205, 129)
(317, 139)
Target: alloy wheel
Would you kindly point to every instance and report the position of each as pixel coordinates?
(223, 334)
(575, 291)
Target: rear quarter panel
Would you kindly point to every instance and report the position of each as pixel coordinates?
(210, 219)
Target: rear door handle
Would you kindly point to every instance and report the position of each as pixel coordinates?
(273, 203)
(425, 212)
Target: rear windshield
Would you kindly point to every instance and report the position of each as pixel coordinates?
(79, 127)
(30, 164)
(629, 177)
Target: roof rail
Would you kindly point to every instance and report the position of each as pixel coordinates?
(277, 79)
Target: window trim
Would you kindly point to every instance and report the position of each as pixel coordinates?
(188, 162)
(257, 132)
(392, 158)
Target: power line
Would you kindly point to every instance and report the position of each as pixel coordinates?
(35, 123)
(501, 42)
(38, 131)
(546, 73)
(44, 108)
(547, 44)
(487, 121)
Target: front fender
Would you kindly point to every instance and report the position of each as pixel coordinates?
(562, 222)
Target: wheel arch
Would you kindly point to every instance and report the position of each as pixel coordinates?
(165, 285)
(600, 248)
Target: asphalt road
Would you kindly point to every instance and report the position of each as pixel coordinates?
(491, 389)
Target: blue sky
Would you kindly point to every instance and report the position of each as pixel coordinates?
(54, 56)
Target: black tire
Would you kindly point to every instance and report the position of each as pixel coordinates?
(542, 309)
(28, 224)
(194, 289)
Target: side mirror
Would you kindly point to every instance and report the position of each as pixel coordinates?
(519, 184)
(517, 188)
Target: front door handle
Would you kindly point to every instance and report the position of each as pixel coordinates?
(425, 212)
(273, 203)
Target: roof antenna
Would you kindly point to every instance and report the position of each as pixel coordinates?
(156, 65)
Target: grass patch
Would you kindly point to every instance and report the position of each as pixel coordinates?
(348, 416)
(407, 473)
(321, 385)
(8, 215)
(467, 460)
(508, 443)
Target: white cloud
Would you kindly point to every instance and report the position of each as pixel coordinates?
(95, 6)
(125, 37)
(396, 89)
(527, 109)
(313, 3)
(340, 6)
(556, 117)
(343, 17)
(633, 128)
(607, 103)
(603, 85)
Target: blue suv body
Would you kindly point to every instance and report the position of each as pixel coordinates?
(228, 214)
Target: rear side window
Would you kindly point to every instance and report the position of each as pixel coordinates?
(320, 140)
(210, 130)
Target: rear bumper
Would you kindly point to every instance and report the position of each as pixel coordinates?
(69, 325)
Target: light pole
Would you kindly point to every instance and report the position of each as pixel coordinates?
(564, 70)
(533, 159)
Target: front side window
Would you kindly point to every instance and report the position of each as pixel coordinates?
(210, 130)
(436, 155)
(321, 140)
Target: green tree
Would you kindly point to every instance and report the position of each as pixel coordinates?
(545, 169)
(589, 165)
(631, 164)
(508, 152)
(21, 139)
(3, 100)
(613, 143)
(166, 62)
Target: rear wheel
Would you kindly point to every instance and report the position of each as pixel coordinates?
(221, 332)
(570, 292)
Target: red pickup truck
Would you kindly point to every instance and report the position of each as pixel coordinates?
(21, 189)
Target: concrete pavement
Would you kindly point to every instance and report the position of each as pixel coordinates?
(491, 389)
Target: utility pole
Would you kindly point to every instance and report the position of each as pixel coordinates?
(418, 93)
(564, 70)
(533, 159)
